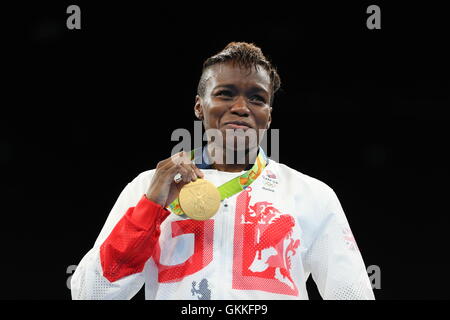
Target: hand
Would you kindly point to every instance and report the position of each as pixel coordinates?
(163, 189)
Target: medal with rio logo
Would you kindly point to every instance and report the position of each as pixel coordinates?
(200, 199)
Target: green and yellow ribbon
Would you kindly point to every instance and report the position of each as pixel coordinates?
(233, 186)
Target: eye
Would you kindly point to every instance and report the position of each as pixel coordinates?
(224, 93)
(258, 98)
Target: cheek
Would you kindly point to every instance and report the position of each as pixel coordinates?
(262, 117)
(213, 114)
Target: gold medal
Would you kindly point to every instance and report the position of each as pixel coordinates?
(199, 199)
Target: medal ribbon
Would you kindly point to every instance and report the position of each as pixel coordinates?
(233, 186)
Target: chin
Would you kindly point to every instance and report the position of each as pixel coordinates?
(241, 140)
(237, 144)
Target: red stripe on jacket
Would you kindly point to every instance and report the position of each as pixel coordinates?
(132, 241)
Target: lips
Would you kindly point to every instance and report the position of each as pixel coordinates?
(237, 125)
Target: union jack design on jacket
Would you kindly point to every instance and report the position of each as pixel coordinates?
(263, 243)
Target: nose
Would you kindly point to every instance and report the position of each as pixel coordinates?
(240, 107)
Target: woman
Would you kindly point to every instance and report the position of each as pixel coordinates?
(270, 228)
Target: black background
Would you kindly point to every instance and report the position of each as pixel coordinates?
(85, 111)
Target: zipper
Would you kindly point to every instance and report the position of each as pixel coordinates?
(224, 247)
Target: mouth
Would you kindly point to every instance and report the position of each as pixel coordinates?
(237, 125)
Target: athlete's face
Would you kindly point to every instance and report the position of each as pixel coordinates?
(235, 98)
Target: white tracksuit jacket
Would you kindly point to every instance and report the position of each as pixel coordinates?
(263, 243)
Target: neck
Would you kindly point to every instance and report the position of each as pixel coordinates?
(230, 167)
(239, 162)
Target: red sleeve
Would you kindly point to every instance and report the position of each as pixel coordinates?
(132, 241)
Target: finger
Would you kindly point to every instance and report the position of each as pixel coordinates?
(171, 164)
(179, 163)
(191, 171)
(170, 171)
(169, 161)
(185, 173)
(181, 157)
(197, 171)
(168, 166)
(178, 178)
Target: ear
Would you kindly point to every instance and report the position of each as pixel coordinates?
(198, 107)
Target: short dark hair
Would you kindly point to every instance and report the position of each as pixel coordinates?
(245, 55)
